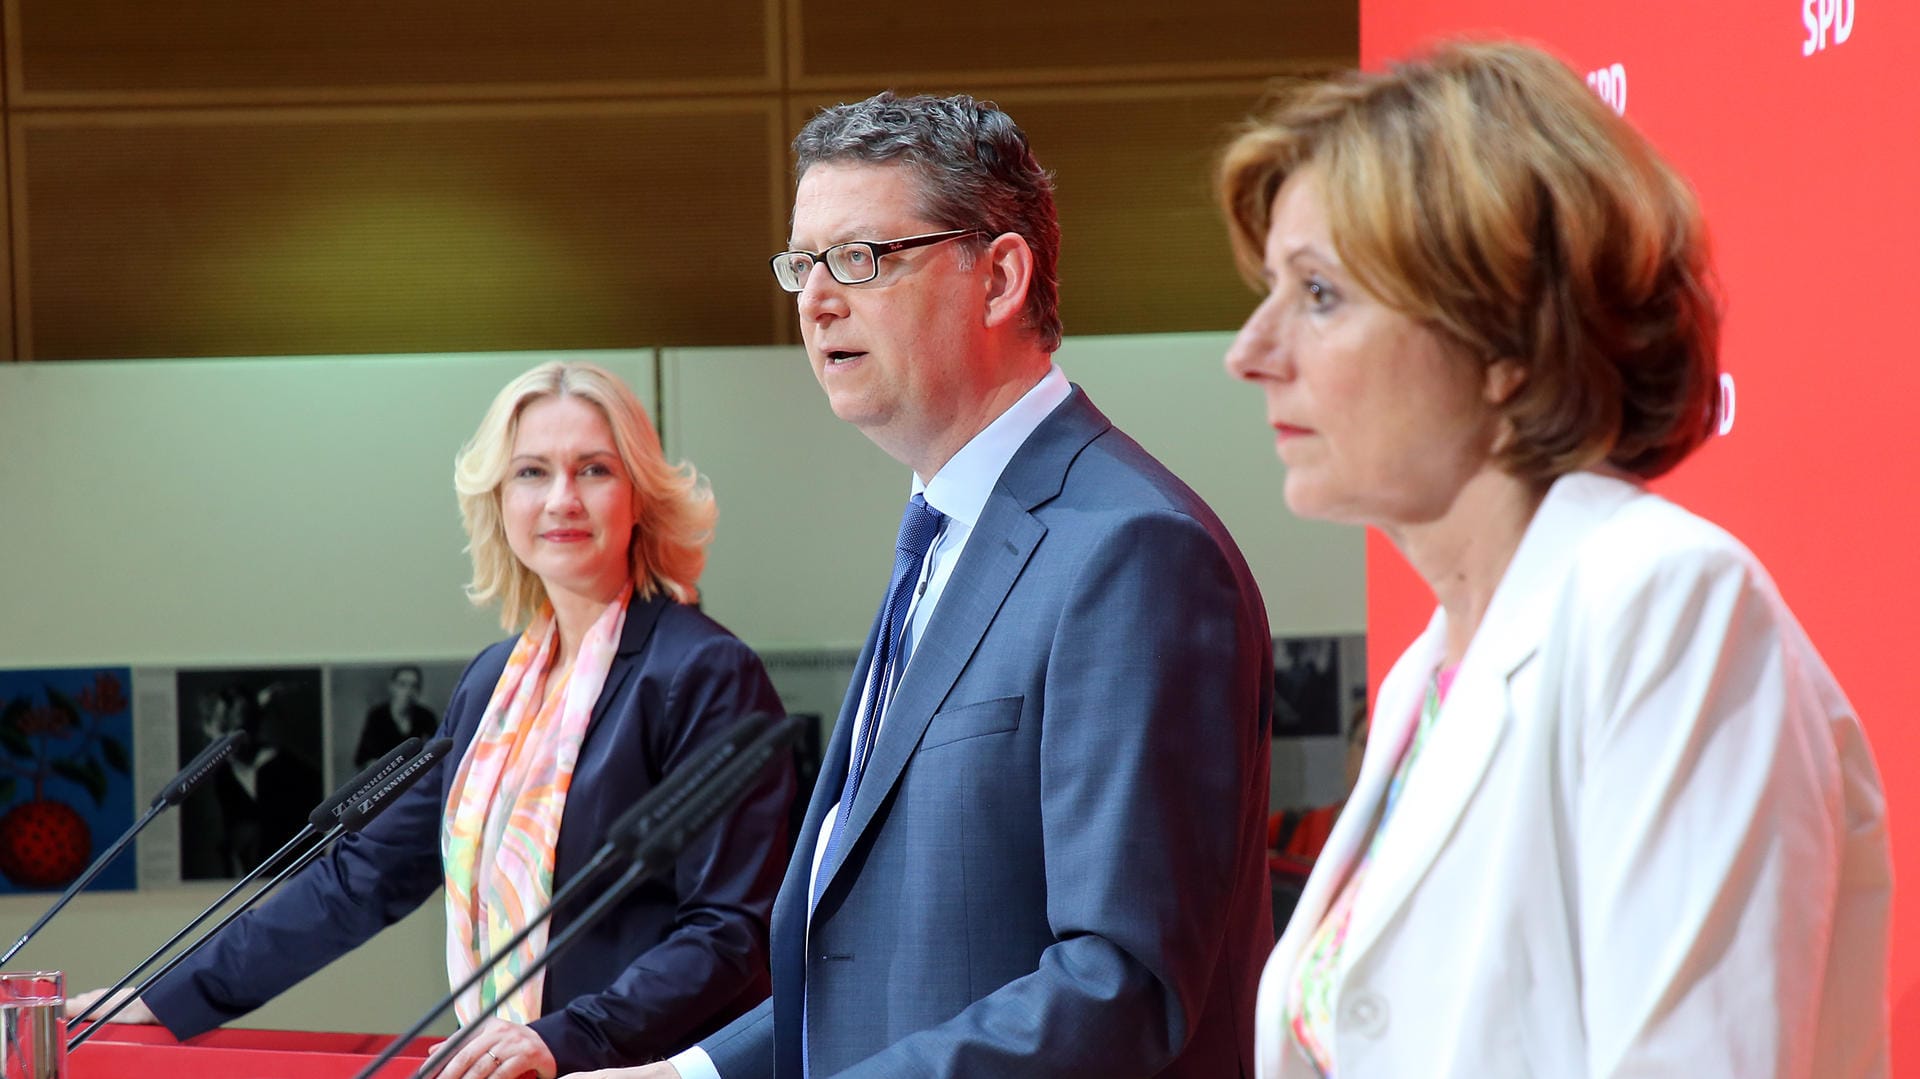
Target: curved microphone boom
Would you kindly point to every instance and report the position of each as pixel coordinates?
(171, 795)
(651, 835)
(324, 816)
(356, 814)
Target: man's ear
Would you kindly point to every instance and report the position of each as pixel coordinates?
(1009, 275)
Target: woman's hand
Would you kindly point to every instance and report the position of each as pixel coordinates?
(662, 1070)
(135, 1012)
(501, 1050)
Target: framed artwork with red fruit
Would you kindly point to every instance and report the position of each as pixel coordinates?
(66, 787)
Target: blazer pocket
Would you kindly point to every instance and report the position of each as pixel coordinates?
(973, 720)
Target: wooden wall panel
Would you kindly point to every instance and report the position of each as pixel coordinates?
(1144, 248)
(6, 229)
(220, 177)
(1115, 40)
(223, 51)
(284, 231)
(1143, 245)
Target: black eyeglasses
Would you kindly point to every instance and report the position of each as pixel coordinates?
(855, 262)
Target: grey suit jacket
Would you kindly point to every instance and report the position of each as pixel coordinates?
(1055, 865)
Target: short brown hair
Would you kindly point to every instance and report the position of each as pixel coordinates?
(1485, 192)
(672, 506)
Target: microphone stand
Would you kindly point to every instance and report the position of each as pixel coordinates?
(352, 819)
(625, 883)
(173, 794)
(298, 864)
(588, 873)
(355, 788)
(84, 879)
(718, 780)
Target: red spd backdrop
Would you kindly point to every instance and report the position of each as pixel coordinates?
(1798, 122)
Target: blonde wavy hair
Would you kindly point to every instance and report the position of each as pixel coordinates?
(673, 506)
(1485, 192)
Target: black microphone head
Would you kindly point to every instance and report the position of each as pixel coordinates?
(709, 796)
(198, 769)
(327, 813)
(359, 812)
(645, 816)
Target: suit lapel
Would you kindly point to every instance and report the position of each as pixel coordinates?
(1394, 713)
(1479, 708)
(1002, 542)
(1007, 535)
(642, 617)
(1453, 761)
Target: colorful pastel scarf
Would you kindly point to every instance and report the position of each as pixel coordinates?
(503, 817)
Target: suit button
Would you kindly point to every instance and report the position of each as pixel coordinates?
(1364, 1012)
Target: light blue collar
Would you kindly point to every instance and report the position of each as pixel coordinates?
(961, 488)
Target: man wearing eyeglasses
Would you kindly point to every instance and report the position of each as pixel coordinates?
(1036, 847)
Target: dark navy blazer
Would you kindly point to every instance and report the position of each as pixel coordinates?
(684, 954)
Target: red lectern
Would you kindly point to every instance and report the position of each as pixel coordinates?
(121, 1051)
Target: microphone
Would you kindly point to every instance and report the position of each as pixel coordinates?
(323, 816)
(662, 802)
(651, 834)
(172, 794)
(705, 803)
(198, 769)
(365, 806)
(355, 816)
(327, 813)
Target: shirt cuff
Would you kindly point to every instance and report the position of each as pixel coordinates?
(694, 1064)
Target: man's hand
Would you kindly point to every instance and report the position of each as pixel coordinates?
(501, 1050)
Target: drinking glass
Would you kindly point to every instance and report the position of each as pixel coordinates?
(33, 1040)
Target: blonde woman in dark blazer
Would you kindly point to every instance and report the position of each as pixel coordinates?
(590, 543)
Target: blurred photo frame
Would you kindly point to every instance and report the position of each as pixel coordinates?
(261, 795)
(373, 707)
(1319, 684)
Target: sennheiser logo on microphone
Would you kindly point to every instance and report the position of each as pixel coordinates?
(1610, 83)
(1826, 20)
(426, 759)
(368, 791)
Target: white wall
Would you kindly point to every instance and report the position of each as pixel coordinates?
(300, 511)
(808, 506)
(242, 511)
(235, 512)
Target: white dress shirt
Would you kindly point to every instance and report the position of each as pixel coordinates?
(959, 491)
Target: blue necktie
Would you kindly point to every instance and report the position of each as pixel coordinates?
(918, 524)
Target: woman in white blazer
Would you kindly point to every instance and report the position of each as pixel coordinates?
(1616, 817)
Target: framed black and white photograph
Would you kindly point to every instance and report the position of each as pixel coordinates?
(1318, 683)
(261, 795)
(371, 708)
(812, 683)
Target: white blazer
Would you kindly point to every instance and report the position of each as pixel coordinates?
(1645, 837)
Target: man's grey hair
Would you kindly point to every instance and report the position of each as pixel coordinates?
(975, 169)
